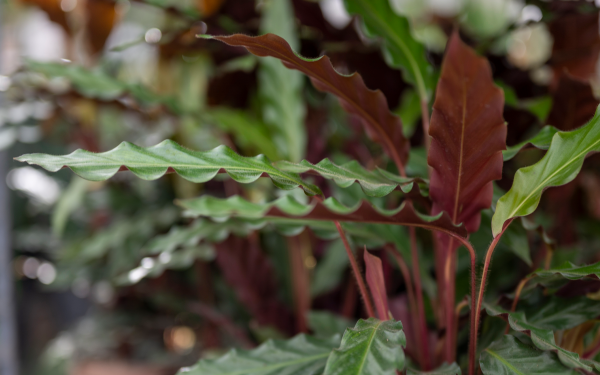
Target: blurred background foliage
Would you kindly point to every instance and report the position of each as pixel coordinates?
(110, 275)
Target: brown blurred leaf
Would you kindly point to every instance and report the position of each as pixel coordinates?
(573, 103)
(101, 16)
(208, 7)
(370, 106)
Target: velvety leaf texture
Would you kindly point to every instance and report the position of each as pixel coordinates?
(509, 356)
(371, 347)
(400, 48)
(329, 210)
(150, 163)
(370, 106)
(468, 135)
(559, 166)
(543, 339)
(302, 355)
(541, 140)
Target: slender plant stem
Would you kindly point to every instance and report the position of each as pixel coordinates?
(518, 291)
(486, 266)
(412, 304)
(449, 300)
(357, 275)
(422, 325)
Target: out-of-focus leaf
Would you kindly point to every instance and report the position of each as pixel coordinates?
(330, 269)
(409, 112)
(280, 88)
(67, 203)
(302, 355)
(370, 106)
(562, 313)
(540, 107)
(326, 324)
(371, 347)
(445, 369)
(510, 356)
(558, 276)
(376, 282)
(400, 48)
(417, 163)
(329, 210)
(543, 339)
(468, 135)
(541, 140)
(151, 163)
(574, 103)
(560, 165)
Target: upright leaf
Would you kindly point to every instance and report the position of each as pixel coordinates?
(328, 210)
(371, 347)
(468, 136)
(374, 273)
(370, 106)
(279, 88)
(510, 356)
(560, 165)
(302, 355)
(400, 48)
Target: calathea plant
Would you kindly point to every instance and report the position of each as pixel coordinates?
(465, 140)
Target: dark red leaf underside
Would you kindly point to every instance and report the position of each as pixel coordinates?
(368, 105)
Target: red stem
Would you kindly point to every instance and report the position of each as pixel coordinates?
(486, 266)
(357, 275)
(422, 324)
(449, 300)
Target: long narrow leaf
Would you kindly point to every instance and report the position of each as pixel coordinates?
(541, 140)
(371, 347)
(560, 165)
(328, 210)
(370, 106)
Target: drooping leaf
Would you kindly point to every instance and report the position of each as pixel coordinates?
(560, 165)
(327, 324)
(280, 88)
(376, 282)
(302, 355)
(543, 339)
(400, 48)
(371, 347)
(445, 369)
(541, 140)
(468, 135)
(197, 166)
(329, 210)
(510, 356)
(370, 106)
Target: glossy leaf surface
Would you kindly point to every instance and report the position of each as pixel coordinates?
(560, 165)
(302, 355)
(400, 48)
(371, 347)
(329, 210)
(370, 106)
(509, 356)
(542, 338)
(468, 135)
(541, 140)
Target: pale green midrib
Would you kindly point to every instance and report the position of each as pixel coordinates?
(506, 363)
(370, 342)
(403, 47)
(551, 176)
(278, 365)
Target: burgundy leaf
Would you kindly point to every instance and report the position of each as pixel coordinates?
(374, 271)
(573, 103)
(369, 105)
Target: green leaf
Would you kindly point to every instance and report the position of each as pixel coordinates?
(371, 347)
(327, 324)
(556, 277)
(69, 201)
(151, 163)
(563, 313)
(330, 270)
(399, 46)
(328, 210)
(302, 355)
(445, 369)
(542, 338)
(509, 356)
(541, 140)
(280, 88)
(559, 166)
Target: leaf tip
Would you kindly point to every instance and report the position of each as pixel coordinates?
(204, 36)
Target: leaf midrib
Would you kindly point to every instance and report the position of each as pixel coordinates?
(370, 342)
(506, 363)
(513, 213)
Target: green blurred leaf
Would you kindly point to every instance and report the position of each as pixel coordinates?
(68, 202)
(445, 369)
(330, 269)
(541, 140)
(560, 165)
(327, 324)
(371, 347)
